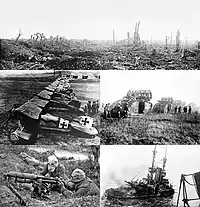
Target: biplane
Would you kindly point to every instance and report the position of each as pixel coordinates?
(60, 103)
(34, 116)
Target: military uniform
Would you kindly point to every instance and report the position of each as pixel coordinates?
(85, 187)
(81, 185)
(58, 172)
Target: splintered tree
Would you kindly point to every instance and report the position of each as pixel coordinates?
(19, 35)
(171, 39)
(128, 38)
(113, 36)
(166, 41)
(178, 40)
(136, 34)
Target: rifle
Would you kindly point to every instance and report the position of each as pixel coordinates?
(41, 184)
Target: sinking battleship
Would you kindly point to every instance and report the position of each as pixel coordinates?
(154, 185)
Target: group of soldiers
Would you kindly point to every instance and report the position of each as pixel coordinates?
(77, 185)
(118, 111)
(92, 108)
(178, 110)
(107, 111)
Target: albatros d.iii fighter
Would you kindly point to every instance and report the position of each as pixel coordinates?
(35, 115)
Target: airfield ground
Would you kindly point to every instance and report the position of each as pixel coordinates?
(19, 90)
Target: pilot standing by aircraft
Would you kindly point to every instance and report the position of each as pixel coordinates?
(97, 107)
(89, 106)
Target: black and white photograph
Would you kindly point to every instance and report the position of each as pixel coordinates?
(49, 175)
(49, 107)
(160, 175)
(150, 107)
(90, 81)
(100, 35)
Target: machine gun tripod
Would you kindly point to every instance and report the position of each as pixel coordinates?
(41, 184)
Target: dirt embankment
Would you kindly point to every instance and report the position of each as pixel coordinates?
(152, 129)
(11, 160)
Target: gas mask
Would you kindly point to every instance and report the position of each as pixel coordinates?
(52, 164)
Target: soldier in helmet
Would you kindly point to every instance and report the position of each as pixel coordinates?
(81, 185)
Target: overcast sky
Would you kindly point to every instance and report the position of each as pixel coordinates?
(95, 19)
(181, 85)
(124, 162)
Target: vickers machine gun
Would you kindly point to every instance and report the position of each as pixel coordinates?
(41, 184)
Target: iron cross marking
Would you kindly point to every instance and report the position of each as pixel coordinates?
(63, 124)
(85, 121)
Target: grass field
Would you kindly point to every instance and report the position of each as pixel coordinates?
(152, 129)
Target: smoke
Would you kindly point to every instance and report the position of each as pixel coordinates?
(117, 176)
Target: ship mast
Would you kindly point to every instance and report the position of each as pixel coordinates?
(152, 169)
(165, 159)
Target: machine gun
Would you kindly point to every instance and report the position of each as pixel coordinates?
(41, 184)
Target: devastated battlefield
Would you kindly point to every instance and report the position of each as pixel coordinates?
(151, 111)
(165, 176)
(29, 178)
(49, 107)
(131, 53)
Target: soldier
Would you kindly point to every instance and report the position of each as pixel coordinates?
(81, 185)
(55, 169)
(125, 110)
(168, 108)
(106, 111)
(118, 110)
(179, 110)
(189, 110)
(109, 115)
(86, 110)
(94, 108)
(89, 106)
(175, 109)
(97, 107)
(185, 109)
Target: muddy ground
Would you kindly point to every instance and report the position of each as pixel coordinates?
(86, 55)
(10, 160)
(18, 91)
(151, 129)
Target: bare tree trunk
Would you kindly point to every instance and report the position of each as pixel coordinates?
(20, 33)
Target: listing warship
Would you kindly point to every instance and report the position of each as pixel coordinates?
(154, 185)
